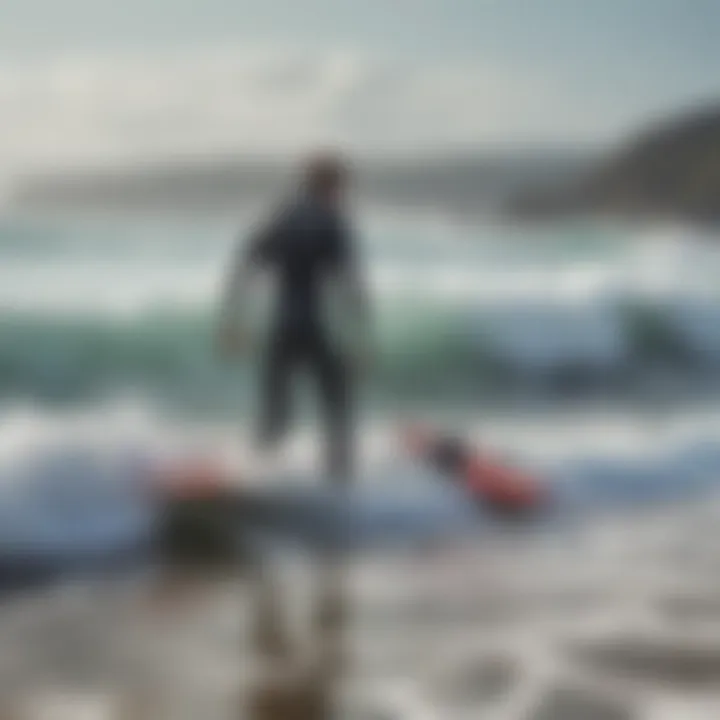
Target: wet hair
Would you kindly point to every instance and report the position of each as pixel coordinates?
(325, 173)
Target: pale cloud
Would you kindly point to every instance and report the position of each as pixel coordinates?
(269, 101)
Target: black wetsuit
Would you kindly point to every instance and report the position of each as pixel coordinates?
(303, 247)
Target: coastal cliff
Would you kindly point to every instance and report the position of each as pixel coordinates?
(669, 170)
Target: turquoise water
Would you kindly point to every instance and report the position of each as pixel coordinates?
(462, 313)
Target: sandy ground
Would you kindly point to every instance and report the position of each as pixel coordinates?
(620, 621)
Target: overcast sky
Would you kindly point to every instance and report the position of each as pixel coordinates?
(100, 80)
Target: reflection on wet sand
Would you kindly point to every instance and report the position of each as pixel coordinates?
(506, 629)
(292, 681)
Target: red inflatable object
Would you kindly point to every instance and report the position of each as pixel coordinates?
(191, 480)
(485, 479)
(503, 487)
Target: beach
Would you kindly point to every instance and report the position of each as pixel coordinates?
(619, 620)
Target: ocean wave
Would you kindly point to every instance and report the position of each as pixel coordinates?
(420, 350)
(94, 308)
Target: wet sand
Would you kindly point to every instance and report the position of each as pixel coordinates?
(618, 622)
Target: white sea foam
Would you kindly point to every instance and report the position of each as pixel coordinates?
(77, 483)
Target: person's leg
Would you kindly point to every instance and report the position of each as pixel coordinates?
(333, 380)
(275, 389)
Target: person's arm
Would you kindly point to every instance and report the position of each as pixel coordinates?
(248, 259)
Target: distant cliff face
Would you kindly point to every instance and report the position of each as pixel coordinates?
(673, 170)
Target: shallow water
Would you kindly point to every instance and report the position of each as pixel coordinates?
(618, 621)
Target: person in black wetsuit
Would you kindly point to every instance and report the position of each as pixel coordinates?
(305, 246)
